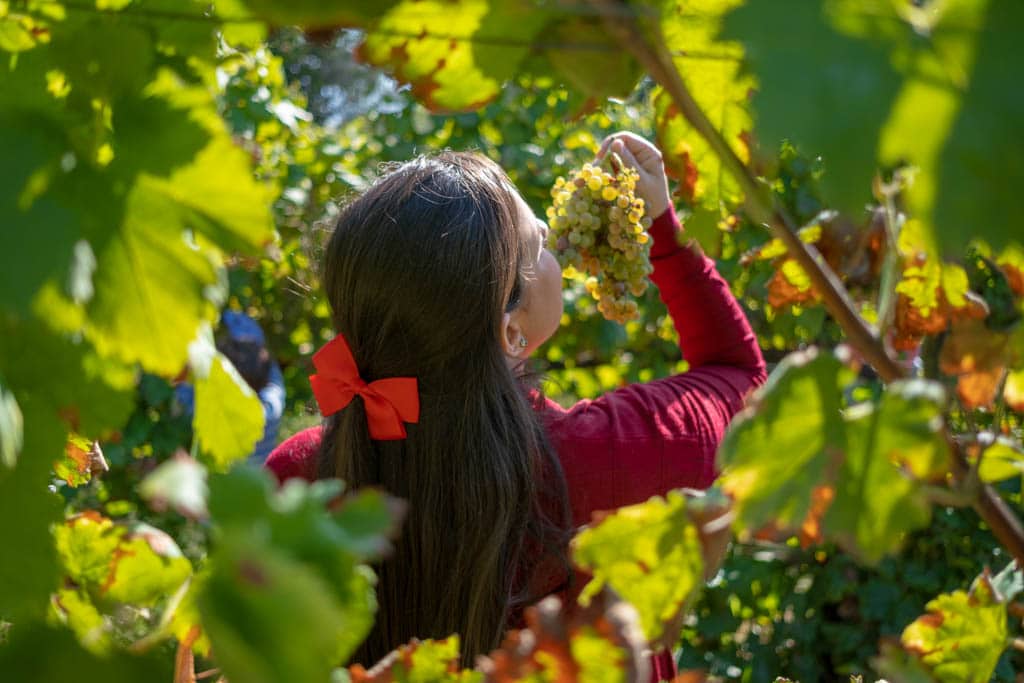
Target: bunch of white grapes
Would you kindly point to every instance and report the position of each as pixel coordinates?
(598, 227)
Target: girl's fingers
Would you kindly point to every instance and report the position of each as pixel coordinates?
(626, 154)
(605, 145)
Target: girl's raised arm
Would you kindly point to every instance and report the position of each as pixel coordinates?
(644, 439)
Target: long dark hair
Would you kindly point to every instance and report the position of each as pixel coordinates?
(419, 271)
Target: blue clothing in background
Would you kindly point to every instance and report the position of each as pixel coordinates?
(242, 328)
(272, 398)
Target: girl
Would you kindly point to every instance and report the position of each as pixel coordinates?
(441, 286)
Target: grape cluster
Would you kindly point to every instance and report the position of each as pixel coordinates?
(598, 228)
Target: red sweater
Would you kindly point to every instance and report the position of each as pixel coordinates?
(643, 439)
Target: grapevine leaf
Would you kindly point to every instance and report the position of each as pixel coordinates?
(75, 467)
(149, 288)
(31, 255)
(74, 608)
(297, 518)
(963, 634)
(977, 357)
(94, 394)
(887, 85)
(911, 428)
(836, 466)
(774, 248)
(213, 192)
(846, 85)
(317, 14)
(237, 32)
(12, 436)
(956, 122)
(369, 519)
(420, 661)
(600, 642)
(649, 553)
(791, 438)
(931, 292)
(139, 565)
(451, 54)
(28, 565)
(66, 660)
(147, 567)
(103, 57)
(228, 414)
(321, 550)
(257, 598)
(711, 70)
(179, 484)
(601, 74)
(152, 283)
(86, 544)
(181, 620)
(1002, 459)
(900, 666)
(790, 285)
(875, 504)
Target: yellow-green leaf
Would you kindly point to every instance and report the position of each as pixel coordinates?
(454, 55)
(228, 414)
(649, 553)
(963, 634)
(711, 70)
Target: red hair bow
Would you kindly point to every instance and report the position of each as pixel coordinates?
(389, 402)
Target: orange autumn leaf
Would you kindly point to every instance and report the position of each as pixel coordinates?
(810, 531)
(977, 356)
(790, 285)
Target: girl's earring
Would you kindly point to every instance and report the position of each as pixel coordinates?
(522, 342)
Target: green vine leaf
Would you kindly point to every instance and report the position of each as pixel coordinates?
(712, 72)
(257, 598)
(792, 437)
(649, 553)
(846, 83)
(285, 564)
(797, 464)
(229, 416)
(72, 607)
(420, 661)
(963, 634)
(318, 15)
(138, 565)
(883, 85)
(23, 658)
(455, 57)
(75, 467)
(27, 510)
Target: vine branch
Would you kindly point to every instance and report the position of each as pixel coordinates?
(762, 208)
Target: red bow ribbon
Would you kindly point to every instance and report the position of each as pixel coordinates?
(389, 402)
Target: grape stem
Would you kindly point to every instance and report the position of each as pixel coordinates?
(647, 45)
(614, 162)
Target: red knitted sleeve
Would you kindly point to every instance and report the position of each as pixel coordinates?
(644, 439)
(296, 456)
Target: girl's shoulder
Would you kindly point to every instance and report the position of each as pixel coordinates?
(296, 455)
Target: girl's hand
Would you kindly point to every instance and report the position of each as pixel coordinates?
(646, 159)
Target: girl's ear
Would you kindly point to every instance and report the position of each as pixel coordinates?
(511, 333)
